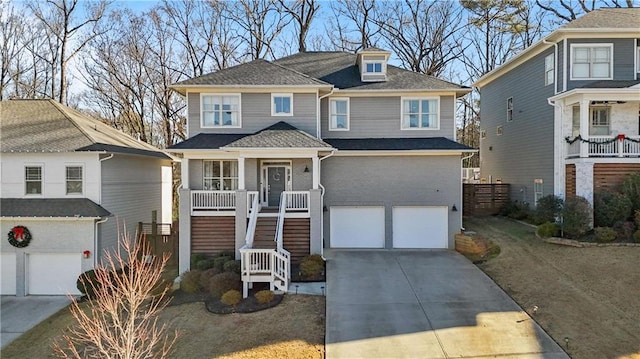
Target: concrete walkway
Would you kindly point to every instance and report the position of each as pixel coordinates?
(423, 304)
(19, 314)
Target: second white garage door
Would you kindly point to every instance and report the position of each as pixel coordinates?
(357, 227)
(420, 227)
(53, 273)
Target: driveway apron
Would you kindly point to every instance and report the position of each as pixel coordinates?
(19, 314)
(423, 304)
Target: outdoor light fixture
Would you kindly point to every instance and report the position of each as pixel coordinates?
(454, 208)
(306, 169)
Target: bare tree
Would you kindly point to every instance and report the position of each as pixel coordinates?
(66, 33)
(353, 16)
(303, 13)
(12, 33)
(122, 320)
(569, 10)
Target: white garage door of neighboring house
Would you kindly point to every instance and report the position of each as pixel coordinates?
(53, 273)
(8, 268)
(357, 227)
(420, 227)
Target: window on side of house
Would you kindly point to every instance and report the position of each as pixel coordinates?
(74, 179)
(420, 113)
(220, 110)
(549, 69)
(591, 61)
(483, 133)
(537, 190)
(281, 104)
(510, 109)
(339, 114)
(219, 175)
(33, 179)
(499, 131)
(599, 124)
(575, 121)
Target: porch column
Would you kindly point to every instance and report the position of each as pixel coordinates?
(584, 127)
(315, 221)
(241, 173)
(184, 240)
(316, 172)
(184, 173)
(241, 220)
(584, 183)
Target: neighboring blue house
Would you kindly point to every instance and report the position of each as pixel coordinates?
(316, 150)
(562, 117)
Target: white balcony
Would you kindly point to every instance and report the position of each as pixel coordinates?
(604, 146)
(212, 203)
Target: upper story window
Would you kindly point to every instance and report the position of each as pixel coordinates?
(220, 110)
(373, 66)
(281, 104)
(510, 109)
(591, 61)
(599, 121)
(74, 179)
(220, 175)
(420, 113)
(339, 114)
(549, 70)
(33, 179)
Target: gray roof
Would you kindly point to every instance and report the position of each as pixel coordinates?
(51, 207)
(611, 84)
(396, 144)
(279, 135)
(256, 72)
(47, 126)
(339, 69)
(614, 18)
(208, 141)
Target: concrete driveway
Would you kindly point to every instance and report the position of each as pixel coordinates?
(423, 304)
(19, 314)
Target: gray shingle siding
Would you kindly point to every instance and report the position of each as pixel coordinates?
(256, 114)
(623, 64)
(525, 151)
(372, 117)
(392, 181)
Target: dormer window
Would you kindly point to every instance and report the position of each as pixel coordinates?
(375, 67)
(373, 64)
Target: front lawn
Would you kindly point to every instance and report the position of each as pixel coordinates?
(590, 296)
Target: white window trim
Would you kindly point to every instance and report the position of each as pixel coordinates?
(273, 107)
(348, 113)
(24, 179)
(537, 182)
(237, 94)
(81, 165)
(510, 109)
(403, 99)
(590, 45)
(221, 177)
(499, 130)
(552, 69)
(381, 62)
(637, 61)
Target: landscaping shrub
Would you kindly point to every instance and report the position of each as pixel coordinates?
(230, 254)
(636, 218)
(190, 282)
(548, 229)
(231, 297)
(218, 262)
(636, 236)
(206, 276)
(624, 230)
(311, 267)
(204, 264)
(516, 210)
(223, 282)
(610, 208)
(576, 217)
(548, 209)
(264, 296)
(232, 266)
(196, 257)
(631, 189)
(605, 234)
(88, 284)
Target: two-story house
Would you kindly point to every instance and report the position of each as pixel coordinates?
(315, 150)
(562, 117)
(69, 185)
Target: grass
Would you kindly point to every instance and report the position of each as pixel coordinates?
(293, 329)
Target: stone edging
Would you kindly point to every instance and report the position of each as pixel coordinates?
(574, 243)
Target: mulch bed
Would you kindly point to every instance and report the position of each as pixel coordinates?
(296, 276)
(248, 305)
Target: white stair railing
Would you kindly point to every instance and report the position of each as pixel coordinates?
(254, 209)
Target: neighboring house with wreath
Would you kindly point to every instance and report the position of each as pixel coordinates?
(69, 184)
(317, 150)
(562, 117)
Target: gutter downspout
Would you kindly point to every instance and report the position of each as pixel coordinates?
(95, 242)
(333, 152)
(102, 160)
(555, 65)
(461, 184)
(318, 126)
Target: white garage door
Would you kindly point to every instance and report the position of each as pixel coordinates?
(53, 273)
(420, 227)
(8, 268)
(357, 227)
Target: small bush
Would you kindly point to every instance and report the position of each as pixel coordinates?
(315, 258)
(576, 217)
(196, 257)
(88, 284)
(206, 276)
(604, 234)
(231, 297)
(548, 229)
(624, 230)
(636, 236)
(311, 266)
(230, 254)
(190, 282)
(548, 209)
(516, 210)
(610, 208)
(223, 282)
(264, 296)
(631, 189)
(218, 262)
(636, 218)
(232, 266)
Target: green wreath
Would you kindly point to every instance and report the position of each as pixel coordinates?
(19, 236)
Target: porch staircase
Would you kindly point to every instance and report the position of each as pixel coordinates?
(265, 233)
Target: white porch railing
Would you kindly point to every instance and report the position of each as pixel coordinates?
(254, 209)
(213, 200)
(251, 197)
(607, 146)
(264, 265)
(295, 200)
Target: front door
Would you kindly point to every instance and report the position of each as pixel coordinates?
(277, 181)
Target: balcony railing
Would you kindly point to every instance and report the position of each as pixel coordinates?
(212, 201)
(606, 146)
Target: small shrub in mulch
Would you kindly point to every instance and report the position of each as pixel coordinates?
(218, 262)
(310, 269)
(190, 282)
(223, 282)
(231, 297)
(548, 229)
(247, 305)
(624, 230)
(232, 266)
(604, 234)
(576, 216)
(636, 236)
(264, 296)
(206, 276)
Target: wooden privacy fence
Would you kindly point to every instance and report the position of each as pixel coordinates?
(162, 239)
(484, 199)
